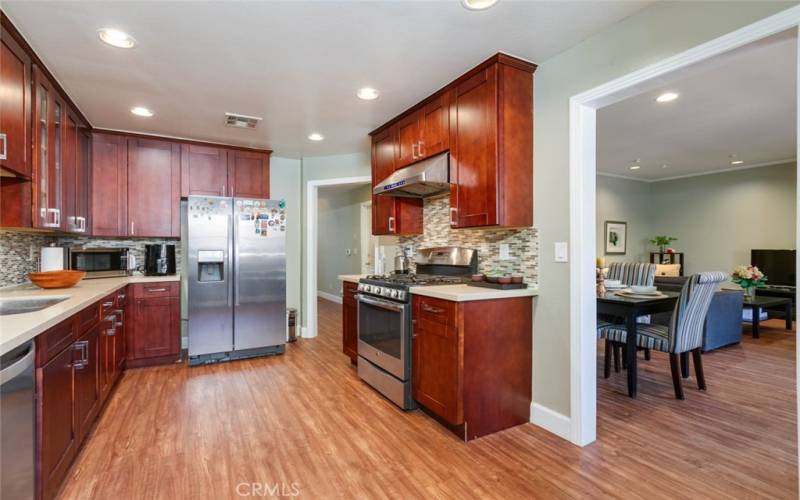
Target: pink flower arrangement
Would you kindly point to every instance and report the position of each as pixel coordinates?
(748, 276)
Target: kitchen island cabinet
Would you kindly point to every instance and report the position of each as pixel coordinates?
(472, 362)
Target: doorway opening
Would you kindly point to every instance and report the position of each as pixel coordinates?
(583, 170)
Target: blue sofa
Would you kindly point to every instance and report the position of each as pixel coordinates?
(723, 321)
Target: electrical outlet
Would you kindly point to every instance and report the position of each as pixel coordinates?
(348, 252)
(504, 253)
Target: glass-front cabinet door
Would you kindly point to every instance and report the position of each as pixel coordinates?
(47, 137)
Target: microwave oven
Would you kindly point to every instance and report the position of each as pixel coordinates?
(101, 262)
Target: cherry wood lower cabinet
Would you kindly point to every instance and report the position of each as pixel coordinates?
(472, 362)
(350, 321)
(154, 335)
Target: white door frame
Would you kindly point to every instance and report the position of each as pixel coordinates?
(312, 196)
(365, 214)
(582, 185)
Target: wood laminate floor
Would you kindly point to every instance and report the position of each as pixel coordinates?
(305, 423)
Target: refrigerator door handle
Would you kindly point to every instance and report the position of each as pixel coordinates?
(236, 263)
(228, 261)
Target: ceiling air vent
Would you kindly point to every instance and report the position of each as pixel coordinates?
(241, 121)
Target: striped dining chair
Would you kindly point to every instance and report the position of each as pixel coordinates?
(630, 274)
(684, 332)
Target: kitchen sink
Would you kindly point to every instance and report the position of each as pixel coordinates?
(28, 304)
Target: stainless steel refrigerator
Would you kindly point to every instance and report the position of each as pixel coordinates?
(236, 259)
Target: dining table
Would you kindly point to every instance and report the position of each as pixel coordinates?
(629, 308)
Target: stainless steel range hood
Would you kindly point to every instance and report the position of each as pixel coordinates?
(430, 177)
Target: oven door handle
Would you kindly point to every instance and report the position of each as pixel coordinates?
(383, 304)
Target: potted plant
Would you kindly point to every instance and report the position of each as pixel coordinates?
(749, 278)
(662, 241)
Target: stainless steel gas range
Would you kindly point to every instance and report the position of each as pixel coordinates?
(384, 318)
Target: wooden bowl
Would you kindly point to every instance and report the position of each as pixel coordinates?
(56, 279)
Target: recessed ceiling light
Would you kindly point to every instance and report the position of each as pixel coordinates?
(116, 38)
(141, 111)
(316, 137)
(737, 162)
(478, 4)
(664, 165)
(635, 167)
(667, 97)
(367, 93)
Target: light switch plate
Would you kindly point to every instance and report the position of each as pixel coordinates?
(561, 251)
(504, 253)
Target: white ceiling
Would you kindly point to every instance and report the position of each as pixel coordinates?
(742, 103)
(297, 64)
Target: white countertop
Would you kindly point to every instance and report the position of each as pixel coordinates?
(352, 278)
(16, 329)
(465, 293)
(458, 293)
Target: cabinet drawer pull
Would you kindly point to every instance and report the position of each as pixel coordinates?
(83, 347)
(156, 290)
(434, 310)
(108, 304)
(4, 153)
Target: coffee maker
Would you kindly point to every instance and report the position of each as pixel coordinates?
(159, 259)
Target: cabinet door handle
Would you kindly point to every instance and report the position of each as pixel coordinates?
(133, 228)
(391, 224)
(223, 189)
(434, 310)
(83, 347)
(453, 216)
(414, 151)
(4, 153)
(420, 147)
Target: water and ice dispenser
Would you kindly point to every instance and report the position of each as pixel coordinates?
(211, 265)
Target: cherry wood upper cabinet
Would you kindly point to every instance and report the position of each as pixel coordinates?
(424, 132)
(435, 126)
(109, 185)
(153, 188)
(409, 131)
(248, 174)
(485, 119)
(391, 215)
(491, 150)
(48, 119)
(15, 106)
(383, 161)
(204, 171)
(75, 185)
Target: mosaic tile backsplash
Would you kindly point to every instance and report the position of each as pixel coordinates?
(19, 255)
(19, 251)
(523, 243)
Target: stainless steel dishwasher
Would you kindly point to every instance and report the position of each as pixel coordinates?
(17, 423)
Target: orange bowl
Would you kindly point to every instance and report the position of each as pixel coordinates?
(56, 279)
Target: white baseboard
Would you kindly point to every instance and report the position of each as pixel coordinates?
(329, 296)
(550, 420)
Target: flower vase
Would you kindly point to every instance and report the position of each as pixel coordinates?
(750, 293)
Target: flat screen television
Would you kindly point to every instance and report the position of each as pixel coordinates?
(778, 265)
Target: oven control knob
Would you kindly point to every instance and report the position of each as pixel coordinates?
(394, 294)
(367, 288)
(384, 291)
(401, 295)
